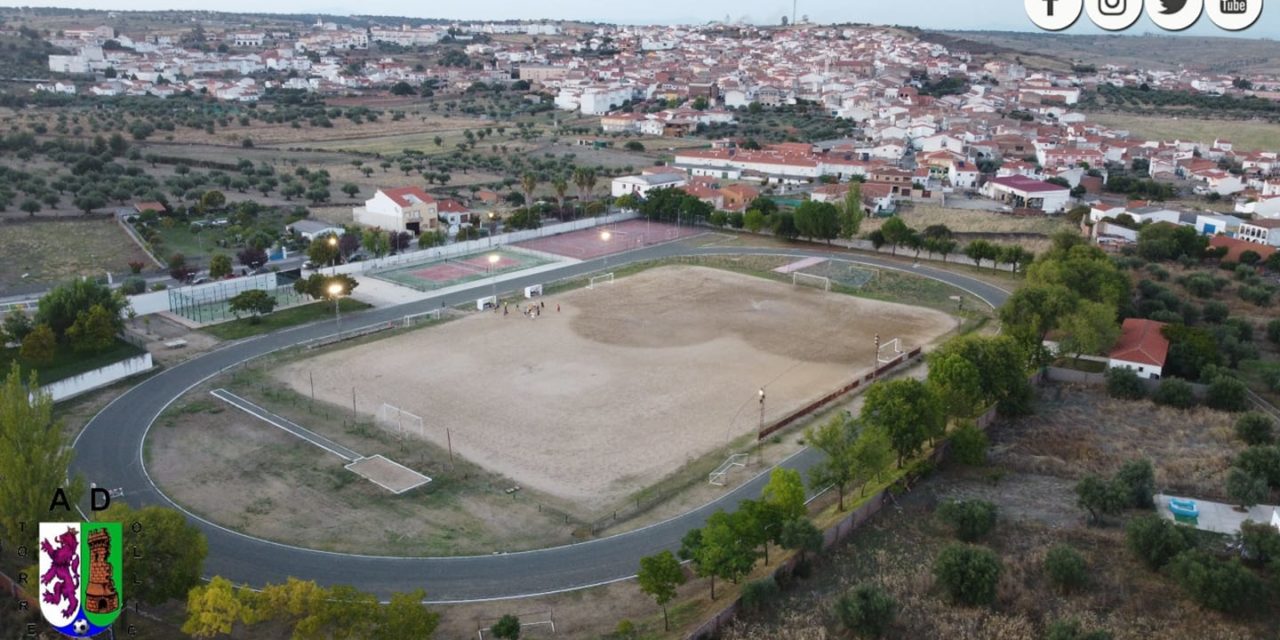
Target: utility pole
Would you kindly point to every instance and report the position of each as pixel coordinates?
(793, 10)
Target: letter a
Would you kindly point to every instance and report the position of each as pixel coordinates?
(60, 498)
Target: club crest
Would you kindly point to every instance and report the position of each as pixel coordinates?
(81, 574)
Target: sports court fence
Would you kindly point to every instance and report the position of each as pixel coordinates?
(210, 303)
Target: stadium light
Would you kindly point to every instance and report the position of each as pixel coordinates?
(604, 237)
(493, 288)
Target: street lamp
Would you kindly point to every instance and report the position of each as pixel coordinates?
(335, 292)
(760, 429)
(333, 262)
(493, 263)
(604, 236)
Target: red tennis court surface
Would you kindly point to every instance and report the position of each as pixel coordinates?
(623, 236)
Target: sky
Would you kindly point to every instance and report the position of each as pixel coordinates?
(933, 14)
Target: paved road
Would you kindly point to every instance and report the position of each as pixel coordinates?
(109, 453)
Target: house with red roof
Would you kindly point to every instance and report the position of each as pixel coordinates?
(1021, 191)
(1141, 347)
(400, 209)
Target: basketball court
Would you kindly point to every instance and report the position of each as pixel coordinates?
(453, 271)
(626, 384)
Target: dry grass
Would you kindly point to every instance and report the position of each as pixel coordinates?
(51, 251)
(1080, 431)
(1245, 135)
(922, 215)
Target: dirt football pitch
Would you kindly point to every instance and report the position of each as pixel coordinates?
(627, 382)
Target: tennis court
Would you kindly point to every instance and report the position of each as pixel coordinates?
(610, 239)
(459, 270)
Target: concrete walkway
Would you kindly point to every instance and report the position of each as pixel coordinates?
(1216, 516)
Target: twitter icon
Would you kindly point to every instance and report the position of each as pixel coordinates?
(1174, 15)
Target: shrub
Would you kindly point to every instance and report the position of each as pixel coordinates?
(507, 628)
(1259, 541)
(1124, 383)
(1155, 540)
(1139, 480)
(1273, 331)
(1071, 630)
(866, 611)
(1255, 428)
(969, 445)
(1263, 462)
(759, 594)
(968, 574)
(1246, 489)
(1222, 586)
(1227, 394)
(133, 286)
(969, 519)
(1175, 392)
(1215, 311)
(1101, 497)
(1066, 568)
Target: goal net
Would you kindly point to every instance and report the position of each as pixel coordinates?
(415, 319)
(537, 624)
(889, 351)
(721, 475)
(600, 279)
(531, 291)
(487, 302)
(809, 280)
(400, 421)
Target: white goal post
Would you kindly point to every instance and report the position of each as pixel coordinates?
(400, 421)
(889, 351)
(535, 290)
(720, 476)
(419, 318)
(535, 619)
(487, 302)
(810, 280)
(606, 278)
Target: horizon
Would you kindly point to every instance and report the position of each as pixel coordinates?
(940, 15)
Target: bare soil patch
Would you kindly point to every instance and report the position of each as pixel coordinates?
(626, 383)
(48, 251)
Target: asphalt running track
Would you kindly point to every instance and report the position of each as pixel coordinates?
(109, 454)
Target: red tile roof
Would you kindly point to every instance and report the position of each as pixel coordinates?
(1235, 247)
(398, 194)
(1141, 341)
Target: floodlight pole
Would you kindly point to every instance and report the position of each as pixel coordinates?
(760, 429)
(875, 363)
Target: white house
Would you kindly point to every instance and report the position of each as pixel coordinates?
(642, 185)
(401, 209)
(312, 229)
(1021, 191)
(1141, 347)
(1260, 232)
(597, 101)
(1211, 224)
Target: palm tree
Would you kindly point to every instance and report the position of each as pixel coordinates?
(528, 182)
(590, 181)
(580, 181)
(561, 188)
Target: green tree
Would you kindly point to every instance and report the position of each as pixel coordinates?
(1100, 497)
(1246, 489)
(1261, 461)
(1138, 477)
(728, 549)
(212, 201)
(323, 250)
(753, 221)
(1124, 383)
(866, 611)
(801, 535)
(817, 220)
(1255, 428)
(969, 519)
(1175, 392)
(35, 454)
(1091, 329)
(172, 551)
(907, 410)
(16, 326)
(1222, 586)
(852, 215)
(969, 445)
(1003, 363)
(61, 307)
(896, 232)
(1155, 540)
(784, 225)
(968, 574)
(1034, 310)
(94, 330)
(376, 241)
(213, 609)
(834, 438)
(659, 577)
(1065, 568)
(872, 455)
(957, 383)
(980, 250)
(1086, 271)
(39, 346)
(1227, 394)
(406, 617)
(318, 285)
(219, 266)
(255, 302)
(785, 493)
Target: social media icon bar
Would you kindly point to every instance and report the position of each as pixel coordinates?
(1175, 15)
(1234, 15)
(1056, 15)
(1113, 15)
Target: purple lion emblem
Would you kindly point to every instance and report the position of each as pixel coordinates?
(66, 581)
